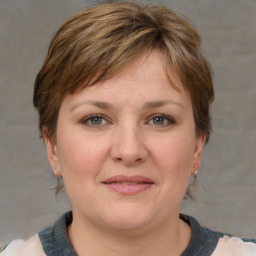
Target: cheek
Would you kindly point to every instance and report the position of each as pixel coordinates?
(176, 167)
(80, 164)
(79, 155)
(175, 155)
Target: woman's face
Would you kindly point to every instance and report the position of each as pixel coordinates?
(126, 147)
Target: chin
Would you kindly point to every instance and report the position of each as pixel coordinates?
(129, 218)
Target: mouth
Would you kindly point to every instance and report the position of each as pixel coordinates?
(128, 184)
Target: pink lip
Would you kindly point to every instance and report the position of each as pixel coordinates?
(115, 183)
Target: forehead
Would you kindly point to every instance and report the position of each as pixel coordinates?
(141, 80)
(150, 66)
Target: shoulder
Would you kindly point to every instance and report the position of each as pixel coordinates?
(20, 247)
(234, 246)
(205, 241)
(51, 241)
(230, 245)
(54, 239)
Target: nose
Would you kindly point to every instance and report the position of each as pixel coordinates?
(129, 146)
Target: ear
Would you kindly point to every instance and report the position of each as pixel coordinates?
(200, 140)
(51, 152)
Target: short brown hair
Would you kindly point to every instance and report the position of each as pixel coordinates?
(99, 41)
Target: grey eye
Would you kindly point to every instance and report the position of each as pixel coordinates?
(158, 120)
(161, 120)
(96, 120)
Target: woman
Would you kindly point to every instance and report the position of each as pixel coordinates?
(123, 100)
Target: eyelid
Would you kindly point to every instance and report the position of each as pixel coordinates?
(85, 119)
(170, 119)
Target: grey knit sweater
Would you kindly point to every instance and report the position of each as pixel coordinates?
(55, 241)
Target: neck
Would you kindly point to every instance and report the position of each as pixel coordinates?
(169, 238)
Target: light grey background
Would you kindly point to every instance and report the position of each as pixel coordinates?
(228, 174)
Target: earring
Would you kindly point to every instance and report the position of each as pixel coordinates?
(195, 173)
(54, 171)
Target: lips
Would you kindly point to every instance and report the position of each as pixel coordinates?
(128, 184)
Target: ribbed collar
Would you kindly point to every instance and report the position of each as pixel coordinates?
(55, 240)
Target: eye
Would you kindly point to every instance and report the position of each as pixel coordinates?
(161, 120)
(94, 120)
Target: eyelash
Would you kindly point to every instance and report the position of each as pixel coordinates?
(168, 119)
(89, 118)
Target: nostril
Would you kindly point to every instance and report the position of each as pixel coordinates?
(118, 159)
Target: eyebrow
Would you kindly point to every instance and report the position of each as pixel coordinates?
(146, 106)
(99, 104)
(160, 103)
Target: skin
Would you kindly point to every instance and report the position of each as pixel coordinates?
(143, 127)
